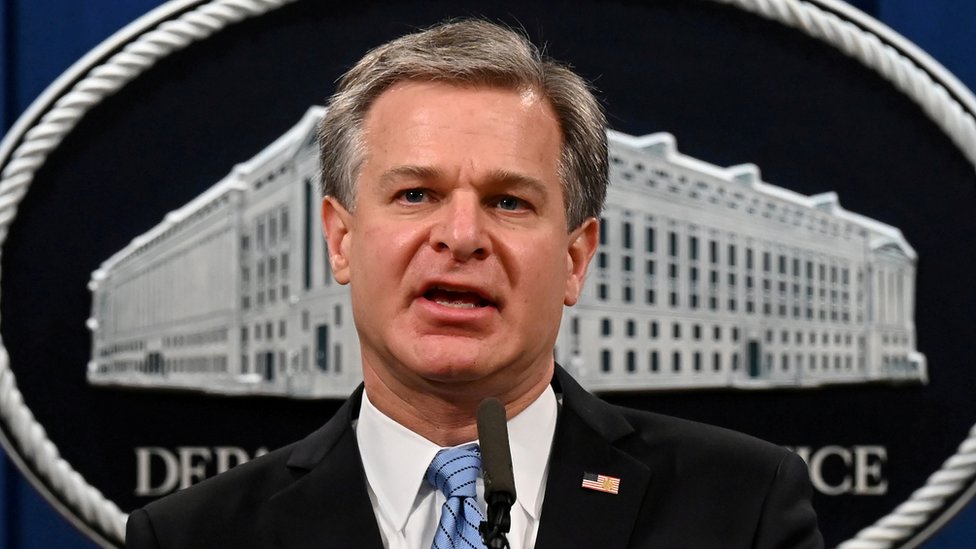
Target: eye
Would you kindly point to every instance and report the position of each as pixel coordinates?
(511, 203)
(413, 196)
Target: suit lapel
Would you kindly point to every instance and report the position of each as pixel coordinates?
(327, 507)
(586, 433)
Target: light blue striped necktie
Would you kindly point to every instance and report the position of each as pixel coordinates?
(455, 473)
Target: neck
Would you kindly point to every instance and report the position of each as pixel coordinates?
(446, 414)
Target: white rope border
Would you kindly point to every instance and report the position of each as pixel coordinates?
(102, 81)
(210, 18)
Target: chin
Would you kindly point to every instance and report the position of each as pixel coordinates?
(461, 365)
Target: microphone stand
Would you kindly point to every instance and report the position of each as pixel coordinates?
(499, 521)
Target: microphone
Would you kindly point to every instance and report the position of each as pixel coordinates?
(496, 469)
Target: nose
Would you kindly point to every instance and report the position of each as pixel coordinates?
(461, 229)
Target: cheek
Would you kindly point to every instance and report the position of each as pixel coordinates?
(386, 254)
(544, 272)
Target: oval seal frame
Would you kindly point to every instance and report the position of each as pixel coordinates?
(142, 46)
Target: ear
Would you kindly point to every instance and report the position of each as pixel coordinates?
(336, 224)
(582, 245)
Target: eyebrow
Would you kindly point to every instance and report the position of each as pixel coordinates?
(391, 177)
(495, 177)
(519, 181)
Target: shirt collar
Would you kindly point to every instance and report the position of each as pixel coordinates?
(395, 458)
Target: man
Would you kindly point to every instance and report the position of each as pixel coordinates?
(463, 175)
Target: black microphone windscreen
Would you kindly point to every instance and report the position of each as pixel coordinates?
(496, 456)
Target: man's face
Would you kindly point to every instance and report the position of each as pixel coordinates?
(458, 254)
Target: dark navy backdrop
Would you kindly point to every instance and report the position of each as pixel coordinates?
(40, 38)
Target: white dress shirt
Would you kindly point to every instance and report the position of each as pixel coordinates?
(408, 509)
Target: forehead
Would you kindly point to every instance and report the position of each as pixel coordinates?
(438, 125)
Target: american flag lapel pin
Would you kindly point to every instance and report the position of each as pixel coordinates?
(601, 483)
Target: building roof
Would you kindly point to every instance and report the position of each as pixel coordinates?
(662, 145)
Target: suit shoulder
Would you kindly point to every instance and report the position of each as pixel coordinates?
(702, 444)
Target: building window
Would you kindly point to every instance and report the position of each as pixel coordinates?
(673, 244)
(676, 331)
(653, 329)
(697, 361)
(337, 354)
(631, 361)
(606, 328)
(305, 321)
(337, 315)
(628, 294)
(650, 240)
(281, 328)
(605, 360)
(284, 222)
(601, 260)
(627, 264)
(628, 238)
(574, 325)
(603, 231)
(655, 361)
(631, 328)
(696, 332)
(676, 361)
(601, 291)
(693, 247)
(716, 362)
(650, 295)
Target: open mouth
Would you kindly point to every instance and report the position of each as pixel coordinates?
(457, 299)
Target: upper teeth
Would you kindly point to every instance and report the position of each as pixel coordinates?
(458, 304)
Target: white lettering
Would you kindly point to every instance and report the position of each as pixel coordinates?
(192, 470)
(228, 454)
(184, 466)
(816, 470)
(144, 457)
(836, 470)
(867, 473)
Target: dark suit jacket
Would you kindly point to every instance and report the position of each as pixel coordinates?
(682, 485)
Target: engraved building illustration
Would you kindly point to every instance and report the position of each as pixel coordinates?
(705, 277)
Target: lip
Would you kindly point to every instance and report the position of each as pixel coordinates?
(442, 313)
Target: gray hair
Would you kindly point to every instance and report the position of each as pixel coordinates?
(469, 52)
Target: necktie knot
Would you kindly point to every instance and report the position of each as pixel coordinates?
(455, 471)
